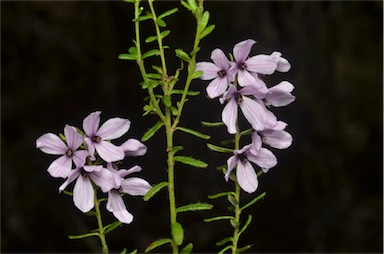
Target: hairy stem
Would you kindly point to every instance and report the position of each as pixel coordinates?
(100, 224)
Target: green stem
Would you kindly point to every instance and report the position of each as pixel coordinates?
(100, 224)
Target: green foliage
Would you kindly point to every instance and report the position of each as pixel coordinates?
(193, 132)
(191, 161)
(157, 244)
(194, 207)
(112, 226)
(83, 235)
(150, 132)
(212, 124)
(168, 13)
(190, 93)
(207, 31)
(127, 57)
(187, 249)
(224, 241)
(219, 149)
(246, 224)
(177, 233)
(197, 74)
(262, 195)
(222, 194)
(152, 52)
(225, 217)
(182, 55)
(155, 189)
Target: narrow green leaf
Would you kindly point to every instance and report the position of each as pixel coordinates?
(165, 33)
(197, 74)
(111, 226)
(176, 149)
(153, 52)
(245, 225)
(182, 55)
(219, 218)
(204, 20)
(194, 207)
(219, 149)
(161, 22)
(68, 193)
(168, 13)
(124, 251)
(187, 249)
(133, 252)
(232, 200)
(83, 235)
(225, 249)
(193, 132)
(224, 241)
(174, 110)
(193, 4)
(149, 133)
(147, 16)
(262, 195)
(190, 93)
(244, 248)
(62, 137)
(187, 6)
(154, 75)
(132, 50)
(246, 132)
(129, 1)
(191, 161)
(177, 233)
(210, 124)
(157, 243)
(222, 194)
(127, 57)
(155, 189)
(207, 31)
(234, 223)
(167, 100)
(151, 39)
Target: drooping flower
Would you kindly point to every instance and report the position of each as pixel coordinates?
(280, 94)
(282, 64)
(245, 173)
(219, 71)
(133, 147)
(249, 69)
(98, 138)
(52, 144)
(275, 137)
(254, 110)
(133, 186)
(83, 192)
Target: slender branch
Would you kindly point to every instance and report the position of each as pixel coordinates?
(100, 224)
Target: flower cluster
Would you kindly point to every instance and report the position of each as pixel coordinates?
(239, 83)
(91, 159)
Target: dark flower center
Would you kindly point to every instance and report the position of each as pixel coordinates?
(238, 98)
(242, 158)
(241, 66)
(96, 139)
(221, 73)
(69, 153)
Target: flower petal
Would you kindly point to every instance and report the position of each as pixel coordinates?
(277, 139)
(74, 139)
(217, 87)
(210, 70)
(83, 194)
(265, 159)
(90, 147)
(79, 157)
(60, 167)
(229, 115)
(109, 152)
(51, 144)
(91, 123)
(256, 142)
(242, 49)
(104, 179)
(135, 186)
(133, 147)
(246, 176)
(116, 177)
(231, 164)
(280, 94)
(124, 172)
(219, 58)
(246, 79)
(263, 64)
(253, 112)
(93, 168)
(114, 128)
(115, 204)
(282, 64)
(73, 174)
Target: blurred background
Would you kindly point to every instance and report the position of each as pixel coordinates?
(59, 63)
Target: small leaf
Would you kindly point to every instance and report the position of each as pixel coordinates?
(209, 124)
(127, 57)
(193, 132)
(176, 149)
(219, 149)
(207, 31)
(83, 235)
(124, 251)
(245, 225)
(219, 218)
(157, 68)
(182, 55)
(111, 226)
(168, 13)
(187, 6)
(149, 133)
(244, 248)
(151, 39)
(177, 233)
(222, 194)
(132, 50)
(167, 100)
(164, 34)
(161, 22)
(190, 93)
(155, 189)
(191, 161)
(147, 16)
(153, 52)
(194, 207)
(197, 74)
(129, 1)
(262, 195)
(187, 249)
(224, 241)
(154, 75)
(234, 223)
(157, 243)
(68, 193)
(225, 249)
(233, 200)
(174, 110)
(193, 4)
(204, 20)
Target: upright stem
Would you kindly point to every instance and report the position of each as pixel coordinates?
(100, 224)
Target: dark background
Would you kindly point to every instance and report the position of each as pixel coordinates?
(59, 63)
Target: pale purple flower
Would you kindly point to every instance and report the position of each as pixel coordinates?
(133, 186)
(245, 173)
(98, 138)
(133, 147)
(280, 94)
(282, 64)
(52, 144)
(254, 110)
(248, 69)
(219, 71)
(275, 137)
(83, 192)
